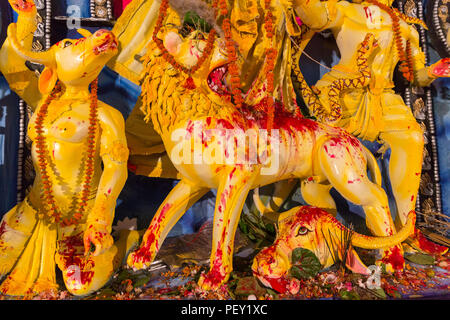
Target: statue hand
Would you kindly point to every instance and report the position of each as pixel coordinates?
(440, 69)
(99, 236)
(24, 7)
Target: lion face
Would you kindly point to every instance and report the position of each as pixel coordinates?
(213, 76)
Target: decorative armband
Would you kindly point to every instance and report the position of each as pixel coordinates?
(117, 151)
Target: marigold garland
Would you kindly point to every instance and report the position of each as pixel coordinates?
(51, 210)
(409, 57)
(189, 84)
(405, 64)
(271, 55)
(232, 55)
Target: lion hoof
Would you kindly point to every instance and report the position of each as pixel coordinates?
(211, 281)
(137, 261)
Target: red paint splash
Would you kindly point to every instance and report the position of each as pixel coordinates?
(282, 119)
(131, 167)
(70, 249)
(310, 215)
(2, 228)
(278, 284)
(224, 124)
(145, 254)
(429, 246)
(394, 257)
(216, 275)
(442, 68)
(190, 127)
(23, 5)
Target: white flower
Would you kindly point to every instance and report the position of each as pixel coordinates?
(125, 224)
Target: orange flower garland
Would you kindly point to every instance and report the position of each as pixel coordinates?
(232, 55)
(409, 58)
(405, 65)
(271, 56)
(41, 150)
(90, 156)
(52, 212)
(189, 84)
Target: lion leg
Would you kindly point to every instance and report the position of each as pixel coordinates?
(318, 195)
(282, 190)
(231, 196)
(181, 198)
(344, 167)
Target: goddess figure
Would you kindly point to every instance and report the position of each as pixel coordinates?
(247, 23)
(375, 112)
(79, 153)
(262, 32)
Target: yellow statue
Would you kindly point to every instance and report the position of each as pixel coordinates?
(185, 98)
(71, 203)
(318, 231)
(134, 30)
(364, 104)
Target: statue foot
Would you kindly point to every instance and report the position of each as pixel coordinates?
(45, 286)
(214, 279)
(141, 258)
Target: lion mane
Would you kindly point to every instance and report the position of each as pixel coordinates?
(166, 102)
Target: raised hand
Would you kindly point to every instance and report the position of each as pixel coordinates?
(98, 235)
(440, 69)
(23, 7)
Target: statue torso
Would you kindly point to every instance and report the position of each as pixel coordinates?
(358, 20)
(66, 133)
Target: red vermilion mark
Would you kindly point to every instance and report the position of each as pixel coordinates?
(190, 127)
(427, 245)
(442, 68)
(70, 252)
(145, 254)
(368, 13)
(2, 228)
(279, 284)
(394, 257)
(131, 167)
(23, 5)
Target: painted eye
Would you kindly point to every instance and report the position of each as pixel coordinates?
(302, 231)
(67, 43)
